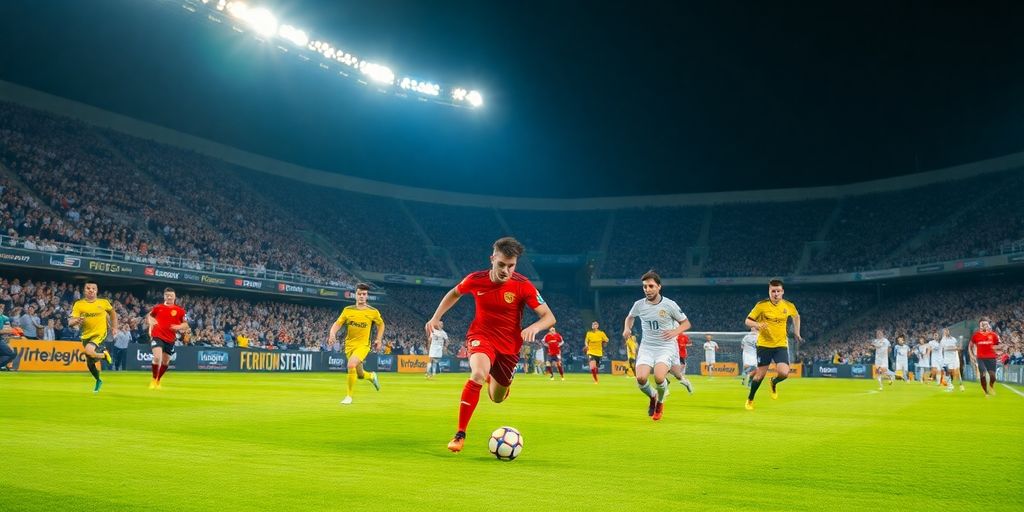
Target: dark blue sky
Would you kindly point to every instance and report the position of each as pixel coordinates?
(583, 99)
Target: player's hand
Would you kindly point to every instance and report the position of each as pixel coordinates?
(626, 334)
(530, 333)
(432, 325)
(798, 337)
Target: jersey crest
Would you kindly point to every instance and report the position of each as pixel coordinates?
(510, 297)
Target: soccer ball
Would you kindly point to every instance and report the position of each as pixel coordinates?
(506, 443)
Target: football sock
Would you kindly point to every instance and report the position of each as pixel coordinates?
(992, 380)
(593, 372)
(93, 368)
(351, 381)
(470, 397)
(561, 373)
(156, 370)
(646, 389)
(754, 384)
(662, 388)
(163, 370)
(777, 379)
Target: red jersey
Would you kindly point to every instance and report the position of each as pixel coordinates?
(166, 316)
(684, 341)
(554, 342)
(986, 343)
(499, 309)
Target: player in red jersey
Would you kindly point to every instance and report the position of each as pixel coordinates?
(165, 322)
(983, 355)
(495, 335)
(679, 370)
(554, 342)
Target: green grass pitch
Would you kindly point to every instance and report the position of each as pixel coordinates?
(282, 442)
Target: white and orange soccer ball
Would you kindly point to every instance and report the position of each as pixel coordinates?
(506, 443)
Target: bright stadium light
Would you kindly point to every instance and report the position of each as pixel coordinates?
(459, 94)
(427, 88)
(474, 98)
(378, 73)
(295, 36)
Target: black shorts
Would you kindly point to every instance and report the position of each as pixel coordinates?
(168, 348)
(769, 355)
(596, 359)
(557, 358)
(987, 365)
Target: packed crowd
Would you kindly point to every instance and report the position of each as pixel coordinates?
(558, 232)
(648, 238)
(466, 233)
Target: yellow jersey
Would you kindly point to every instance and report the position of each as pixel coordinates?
(776, 316)
(631, 347)
(94, 318)
(595, 342)
(357, 325)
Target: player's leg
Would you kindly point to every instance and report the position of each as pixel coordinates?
(561, 371)
(354, 367)
(682, 378)
(661, 370)
(165, 363)
(158, 357)
(479, 368)
(502, 372)
(643, 382)
(763, 361)
(593, 369)
(92, 361)
(879, 372)
(782, 373)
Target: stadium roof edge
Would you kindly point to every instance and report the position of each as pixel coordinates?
(61, 106)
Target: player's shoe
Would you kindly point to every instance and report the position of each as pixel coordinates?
(375, 381)
(563, 379)
(962, 388)
(96, 388)
(346, 401)
(152, 384)
(653, 405)
(106, 355)
(159, 385)
(658, 411)
(749, 405)
(457, 442)
(689, 387)
(774, 393)
(992, 390)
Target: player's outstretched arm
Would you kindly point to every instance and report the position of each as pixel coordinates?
(796, 328)
(113, 320)
(331, 336)
(447, 302)
(545, 320)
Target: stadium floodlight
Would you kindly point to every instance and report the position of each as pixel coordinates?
(428, 88)
(259, 19)
(377, 72)
(295, 36)
(459, 94)
(474, 98)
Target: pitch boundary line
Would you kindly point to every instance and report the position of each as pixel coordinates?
(1011, 388)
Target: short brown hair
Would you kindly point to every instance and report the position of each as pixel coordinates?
(650, 274)
(363, 286)
(775, 282)
(509, 247)
(168, 289)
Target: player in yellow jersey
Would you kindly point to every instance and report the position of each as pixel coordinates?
(357, 320)
(631, 354)
(595, 340)
(770, 318)
(92, 313)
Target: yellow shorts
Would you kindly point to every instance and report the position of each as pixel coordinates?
(358, 351)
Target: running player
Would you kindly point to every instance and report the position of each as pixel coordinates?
(539, 360)
(631, 353)
(902, 354)
(678, 370)
(984, 353)
(554, 342)
(749, 345)
(881, 345)
(769, 317)
(496, 334)
(951, 359)
(357, 320)
(165, 322)
(661, 321)
(438, 339)
(935, 361)
(92, 313)
(923, 363)
(595, 342)
(710, 347)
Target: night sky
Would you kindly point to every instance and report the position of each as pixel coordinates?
(582, 98)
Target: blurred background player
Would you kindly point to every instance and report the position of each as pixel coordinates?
(631, 354)
(496, 335)
(923, 364)
(983, 352)
(935, 361)
(7, 354)
(661, 321)
(710, 347)
(770, 318)
(678, 370)
(438, 339)
(357, 320)
(951, 359)
(881, 345)
(92, 314)
(595, 341)
(749, 346)
(901, 353)
(538, 359)
(165, 321)
(554, 341)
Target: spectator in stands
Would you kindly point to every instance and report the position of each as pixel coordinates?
(120, 347)
(29, 323)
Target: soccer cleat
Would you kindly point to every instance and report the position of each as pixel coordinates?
(106, 355)
(152, 384)
(749, 405)
(658, 411)
(375, 381)
(653, 405)
(159, 385)
(774, 393)
(563, 379)
(99, 384)
(962, 388)
(689, 387)
(457, 442)
(992, 390)
(347, 400)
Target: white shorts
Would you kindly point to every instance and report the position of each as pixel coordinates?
(650, 356)
(709, 359)
(882, 361)
(901, 365)
(435, 353)
(953, 363)
(749, 359)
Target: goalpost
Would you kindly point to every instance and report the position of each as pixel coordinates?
(728, 358)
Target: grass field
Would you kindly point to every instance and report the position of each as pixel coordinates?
(282, 442)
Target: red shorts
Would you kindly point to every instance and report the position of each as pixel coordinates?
(503, 366)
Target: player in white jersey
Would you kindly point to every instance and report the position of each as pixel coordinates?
(710, 347)
(438, 339)
(661, 321)
(881, 344)
(935, 360)
(749, 345)
(923, 360)
(538, 360)
(951, 359)
(901, 353)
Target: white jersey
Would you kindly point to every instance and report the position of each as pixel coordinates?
(922, 354)
(950, 345)
(538, 355)
(656, 320)
(936, 358)
(881, 351)
(749, 345)
(902, 353)
(438, 338)
(709, 351)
